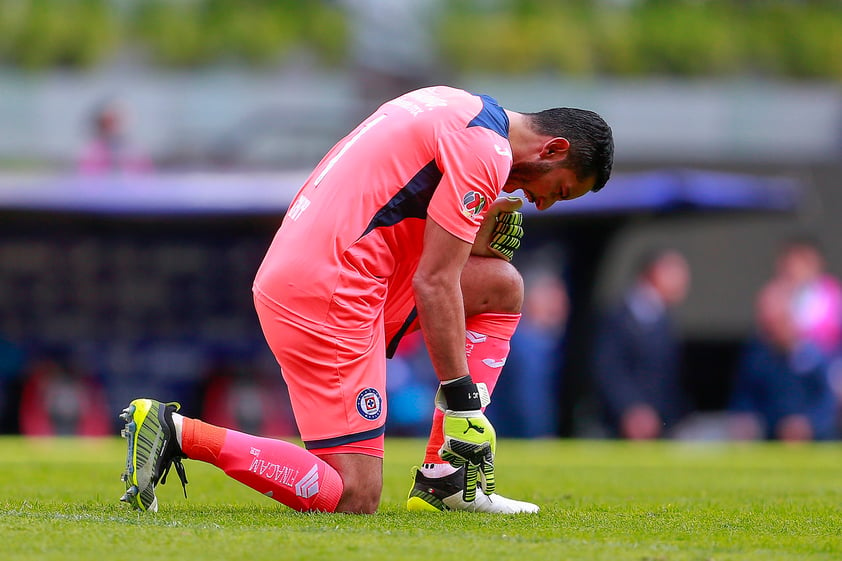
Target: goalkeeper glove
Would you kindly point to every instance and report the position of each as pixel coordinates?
(469, 437)
(507, 234)
(501, 230)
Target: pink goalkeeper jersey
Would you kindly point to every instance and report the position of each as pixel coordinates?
(354, 231)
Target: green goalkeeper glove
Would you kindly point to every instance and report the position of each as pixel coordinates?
(469, 437)
(508, 231)
(501, 230)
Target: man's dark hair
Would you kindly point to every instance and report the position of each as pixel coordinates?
(591, 141)
(801, 240)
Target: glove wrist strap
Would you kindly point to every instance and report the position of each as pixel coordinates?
(462, 394)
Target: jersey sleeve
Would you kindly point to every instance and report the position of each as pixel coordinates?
(475, 164)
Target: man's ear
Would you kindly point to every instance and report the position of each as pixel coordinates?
(555, 149)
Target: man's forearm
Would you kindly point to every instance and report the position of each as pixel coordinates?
(441, 314)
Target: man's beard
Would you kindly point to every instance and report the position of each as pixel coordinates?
(526, 172)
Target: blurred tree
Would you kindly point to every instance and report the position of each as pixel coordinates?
(43, 33)
(773, 38)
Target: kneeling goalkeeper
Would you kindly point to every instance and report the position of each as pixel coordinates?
(398, 227)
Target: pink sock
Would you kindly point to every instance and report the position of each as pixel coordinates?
(280, 470)
(486, 346)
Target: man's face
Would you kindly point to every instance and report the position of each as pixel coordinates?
(544, 183)
(670, 276)
(800, 264)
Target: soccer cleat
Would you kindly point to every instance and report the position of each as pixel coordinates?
(445, 493)
(152, 451)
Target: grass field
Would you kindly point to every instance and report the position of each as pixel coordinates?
(601, 501)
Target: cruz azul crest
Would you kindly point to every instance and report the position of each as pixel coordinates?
(369, 404)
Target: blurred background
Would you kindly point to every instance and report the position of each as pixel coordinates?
(149, 149)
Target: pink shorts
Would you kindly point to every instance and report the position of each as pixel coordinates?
(336, 381)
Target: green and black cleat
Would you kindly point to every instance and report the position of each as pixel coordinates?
(152, 450)
(445, 493)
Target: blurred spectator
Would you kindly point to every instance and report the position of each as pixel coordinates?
(526, 399)
(58, 401)
(110, 151)
(637, 352)
(815, 296)
(393, 47)
(782, 389)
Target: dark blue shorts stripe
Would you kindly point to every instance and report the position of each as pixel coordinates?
(347, 439)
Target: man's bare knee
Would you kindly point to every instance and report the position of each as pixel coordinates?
(362, 481)
(491, 285)
(358, 498)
